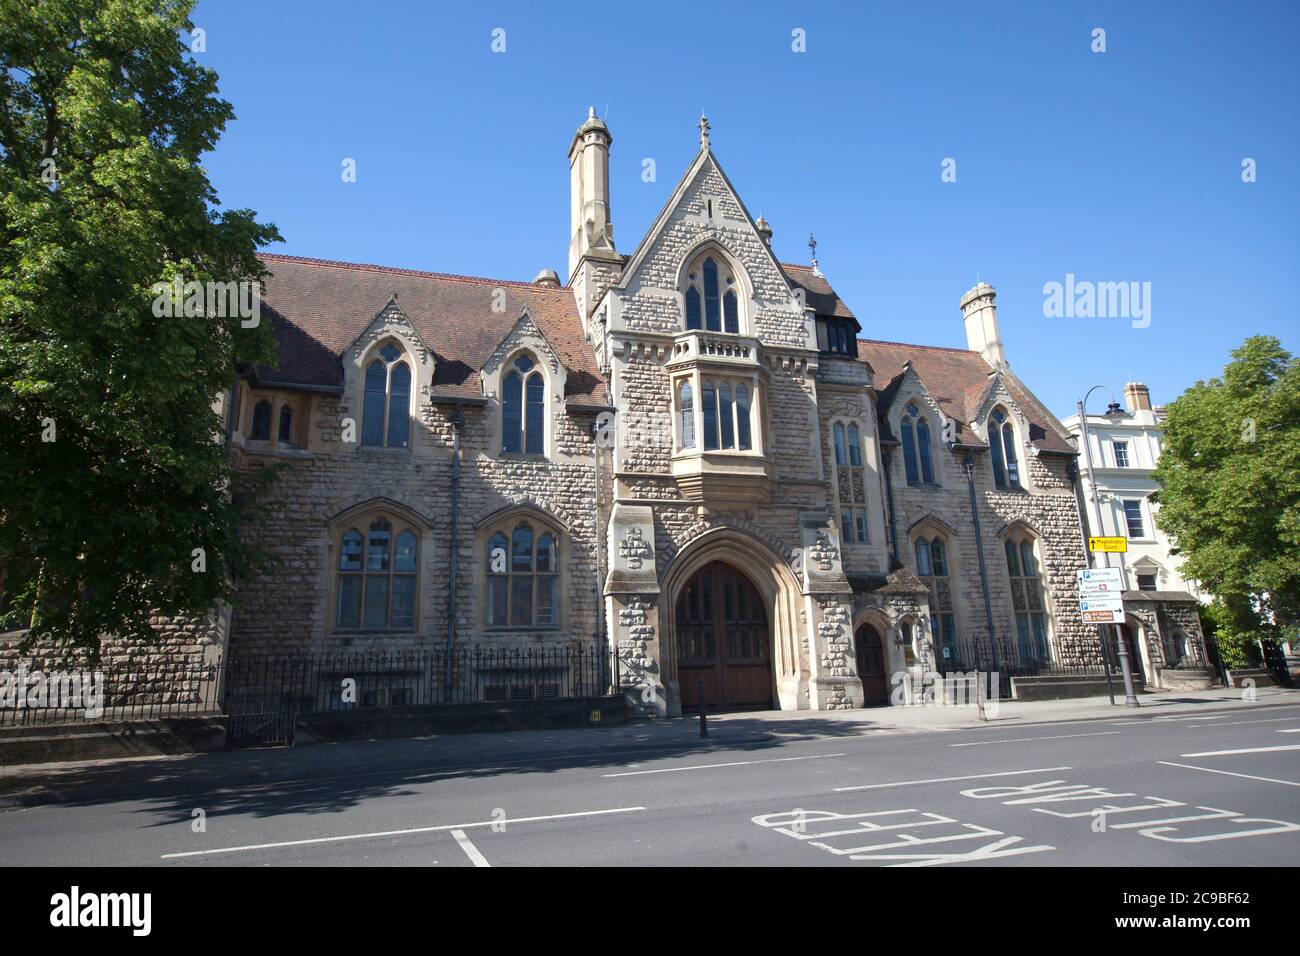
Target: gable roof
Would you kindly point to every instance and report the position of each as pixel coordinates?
(319, 307)
(958, 379)
(818, 294)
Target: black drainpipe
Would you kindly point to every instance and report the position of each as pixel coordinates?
(456, 422)
(979, 550)
(887, 452)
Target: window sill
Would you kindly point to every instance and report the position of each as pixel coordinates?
(522, 629)
(347, 632)
(521, 456)
(383, 450)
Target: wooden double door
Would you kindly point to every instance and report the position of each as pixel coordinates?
(724, 644)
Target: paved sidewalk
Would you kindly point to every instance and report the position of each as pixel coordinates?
(549, 750)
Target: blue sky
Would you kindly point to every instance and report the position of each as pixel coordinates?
(1115, 166)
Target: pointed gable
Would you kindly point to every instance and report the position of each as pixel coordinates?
(704, 209)
(959, 381)
(319, 308)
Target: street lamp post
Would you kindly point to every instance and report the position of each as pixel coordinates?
(1126, 668)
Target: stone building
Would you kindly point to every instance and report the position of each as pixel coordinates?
(691, 452)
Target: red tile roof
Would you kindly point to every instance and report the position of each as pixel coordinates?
(319, 307)
(817, 291)
(958, 379)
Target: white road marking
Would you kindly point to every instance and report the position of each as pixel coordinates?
(389, 833)
(1229, 773)
(1019, 740)
(1290, 730)
(1248, 750)
(471, 851)
(973, 776)
(714, 766)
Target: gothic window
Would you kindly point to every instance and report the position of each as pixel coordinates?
(386, 409)
(378, 575)
(723, 419)
(261, 430)
(1002, 447)
(712, 301)
(523, 408)
(918, 461)
(850, 481)
(932, 569)
(522, 576)
(1175, 646)
(1027, 600)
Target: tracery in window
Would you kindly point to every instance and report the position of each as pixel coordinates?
(711, 296)
(850, 482)
(386, 404)
(522, 568)
(377, 576)
(523, 408)
(918, 462)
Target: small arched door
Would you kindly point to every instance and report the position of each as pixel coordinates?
(724, 647)
(871, 665)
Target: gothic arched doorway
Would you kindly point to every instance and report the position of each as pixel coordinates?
(871, 665)
(724, 646)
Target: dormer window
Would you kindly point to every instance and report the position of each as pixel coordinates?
(261, 421)
(712, 301)
(1002, 447)
(917, 459)
(386, 410)
(837, 337)
(523, 408)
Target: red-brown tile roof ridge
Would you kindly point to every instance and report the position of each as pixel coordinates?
(927, 348)
(421, 273)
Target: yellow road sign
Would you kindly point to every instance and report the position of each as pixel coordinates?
(1113, 545)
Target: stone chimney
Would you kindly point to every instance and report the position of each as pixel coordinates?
(592, 231)
(1137, 397)
(981, 317)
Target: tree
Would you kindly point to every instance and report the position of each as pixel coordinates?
(1230, 491)
(115, 489)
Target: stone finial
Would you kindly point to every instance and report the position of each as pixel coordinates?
(704, 131)
(764, 230)
(548, 278)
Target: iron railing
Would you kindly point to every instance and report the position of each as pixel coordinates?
(137, 690)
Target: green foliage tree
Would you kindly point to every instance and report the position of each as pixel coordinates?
(112, 468)
(1230, 493)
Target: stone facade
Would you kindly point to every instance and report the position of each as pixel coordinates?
(734, 483)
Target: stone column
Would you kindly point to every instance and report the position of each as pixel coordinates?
(828, 607)
(632, 604)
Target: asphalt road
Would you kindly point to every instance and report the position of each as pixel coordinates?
(1201, 790)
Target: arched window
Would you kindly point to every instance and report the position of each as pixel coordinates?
(522, 576)
(932, 569)
(386, 409)
(850, 481)
(523, 408)
(712, 301)
(1027, 600)
(378, 576)
(1002, 448)
(261, 430)
(917, 461)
